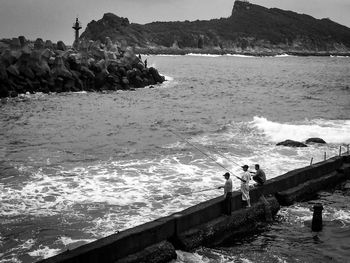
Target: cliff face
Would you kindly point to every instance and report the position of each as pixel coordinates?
(249, 29)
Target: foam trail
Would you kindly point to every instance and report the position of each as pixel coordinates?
(332, 131)
(44, 252)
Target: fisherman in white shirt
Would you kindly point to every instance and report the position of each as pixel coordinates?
(245, 185)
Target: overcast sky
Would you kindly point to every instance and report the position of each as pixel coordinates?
(53, 19)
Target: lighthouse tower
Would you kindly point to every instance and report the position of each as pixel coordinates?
(76, 27)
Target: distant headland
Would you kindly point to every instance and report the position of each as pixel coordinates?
(250, 30)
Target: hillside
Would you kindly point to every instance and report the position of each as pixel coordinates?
(250, 29)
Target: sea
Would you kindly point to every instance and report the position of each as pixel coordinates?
(76, 167)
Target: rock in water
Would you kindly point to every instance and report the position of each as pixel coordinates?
(39, 44)
(315, 140)
(347, 186)
(291, 143)
(22, 40)
(59, 69)
(61, 46)
(48, 44)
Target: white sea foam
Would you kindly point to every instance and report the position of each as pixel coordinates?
(332, 213)
(300, 213)
(296, 214)
(144, 188)
(332, 131)
(186, 257)
(44, 252)
(68, 241)
(168, 78)
(28, 244)
(14, 259)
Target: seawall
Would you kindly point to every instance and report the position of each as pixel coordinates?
(204, 224)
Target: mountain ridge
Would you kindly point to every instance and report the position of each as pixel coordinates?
(251, 29)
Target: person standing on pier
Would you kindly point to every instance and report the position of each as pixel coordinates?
(227, 194)
(259, 176)
(245, 185)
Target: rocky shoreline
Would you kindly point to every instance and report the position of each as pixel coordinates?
(40, 66)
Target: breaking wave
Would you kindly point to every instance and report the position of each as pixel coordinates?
(332, 131)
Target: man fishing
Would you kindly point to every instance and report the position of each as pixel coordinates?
(227, 194)
(228, 184)
(259, 176)
(245, 185)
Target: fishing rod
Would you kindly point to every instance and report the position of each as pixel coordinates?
(223, 156)
(266, 203)
(207, 155)
(262, 195)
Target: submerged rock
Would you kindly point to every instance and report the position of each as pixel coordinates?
(291, 143)
(315, 140)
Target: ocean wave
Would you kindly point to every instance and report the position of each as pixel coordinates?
(332, 131)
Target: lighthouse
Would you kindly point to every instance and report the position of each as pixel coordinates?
(76, 27)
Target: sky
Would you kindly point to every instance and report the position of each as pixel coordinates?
(53, 19)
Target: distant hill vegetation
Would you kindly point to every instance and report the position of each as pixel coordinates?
(251, 29)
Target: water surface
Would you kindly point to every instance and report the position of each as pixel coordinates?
(76, 167)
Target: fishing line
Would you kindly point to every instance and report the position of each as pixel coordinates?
(211, 158)
(207, 155)
(223, 156)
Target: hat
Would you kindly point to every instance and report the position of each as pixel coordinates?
(227, 174)
(245, 166)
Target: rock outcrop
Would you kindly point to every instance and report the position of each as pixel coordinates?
(251, 29)
(291, 143)
(315, 140)
(46, 67)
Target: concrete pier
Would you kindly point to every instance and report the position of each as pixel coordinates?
(204, 224)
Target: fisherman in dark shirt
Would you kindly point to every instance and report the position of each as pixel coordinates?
(227, 193)
(259, 176)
